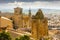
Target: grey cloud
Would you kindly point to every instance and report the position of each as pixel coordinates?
(7, 1)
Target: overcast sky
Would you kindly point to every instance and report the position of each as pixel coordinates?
(53, 5)
(7, 1)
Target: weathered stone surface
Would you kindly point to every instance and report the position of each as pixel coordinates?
(39, 27)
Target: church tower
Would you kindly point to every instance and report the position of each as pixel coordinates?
(17, 17)
(0, 13)
(29, 13)
(39, 26)
(29, 17)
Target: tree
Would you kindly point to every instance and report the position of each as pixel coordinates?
(4, 36)
(25, 37)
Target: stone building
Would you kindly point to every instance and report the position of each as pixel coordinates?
(27, 20)
(19, 19)
(38, 23)
(39, 26)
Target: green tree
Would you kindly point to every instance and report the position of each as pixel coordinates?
(4, 36)
(25, 37)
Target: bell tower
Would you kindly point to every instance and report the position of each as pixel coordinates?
(17, 17)
(30, 17)
(0, 13)
(29, 13)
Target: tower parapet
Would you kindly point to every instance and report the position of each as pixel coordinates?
(17, 10)
(17, 17)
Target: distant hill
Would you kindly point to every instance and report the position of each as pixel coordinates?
(6, 14)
